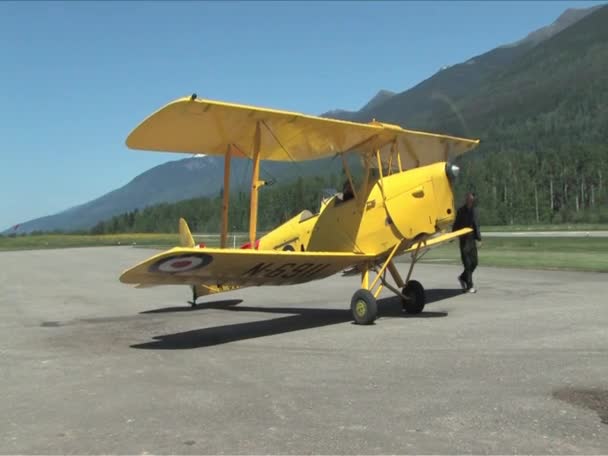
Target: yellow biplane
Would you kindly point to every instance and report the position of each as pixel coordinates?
(403, 204)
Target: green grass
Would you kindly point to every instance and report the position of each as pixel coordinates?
(234, 240)
(151, 240)
(560, 227)
(581, 254)
(54, 241)
(584, 254)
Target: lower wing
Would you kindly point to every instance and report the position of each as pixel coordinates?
(239, 267)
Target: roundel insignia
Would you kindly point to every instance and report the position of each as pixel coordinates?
(181, 263)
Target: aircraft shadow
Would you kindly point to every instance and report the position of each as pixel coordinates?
(300, 318)
(215, 305)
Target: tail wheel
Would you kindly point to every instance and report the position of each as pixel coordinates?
(414, 292)
(364, 307)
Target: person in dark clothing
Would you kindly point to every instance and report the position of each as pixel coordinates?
(466, 217)
(347, 191)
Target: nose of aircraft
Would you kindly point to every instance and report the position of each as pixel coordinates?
(452, 170)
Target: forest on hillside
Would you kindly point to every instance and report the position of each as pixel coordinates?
(277, 203)
(543, 156)
(565, 184)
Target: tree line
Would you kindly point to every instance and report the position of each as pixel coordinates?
(563, 185)
(277, 203)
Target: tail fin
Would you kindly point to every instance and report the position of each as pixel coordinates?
(185, 237)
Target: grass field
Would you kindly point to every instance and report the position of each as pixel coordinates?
(581, 254)
(584, 254)
(54, 241)
(160, 240)
(563, 227)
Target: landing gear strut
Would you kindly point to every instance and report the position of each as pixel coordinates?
(364, 306)
(194, 297)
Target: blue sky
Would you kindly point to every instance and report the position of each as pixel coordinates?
(78, 76)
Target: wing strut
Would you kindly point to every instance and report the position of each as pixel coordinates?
(394, 151)
(348, 175)
(381, 174)
(226, 202)
(255, 184)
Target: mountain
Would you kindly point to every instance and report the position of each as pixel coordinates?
(174, 181)
(546, 90)
(377, 100)
(417, 107)
(540, 109)
(565, 20)
(564, 76)
(542, 124)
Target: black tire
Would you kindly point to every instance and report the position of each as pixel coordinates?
(364, 307)
(415, 292)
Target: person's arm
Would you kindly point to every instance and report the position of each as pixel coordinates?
(476, 225)
(457, 221)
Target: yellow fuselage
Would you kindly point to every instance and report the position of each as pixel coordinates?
(394, 208)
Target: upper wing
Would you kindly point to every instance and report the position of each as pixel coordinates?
(417, 148)
(240, 267)
(191, 125)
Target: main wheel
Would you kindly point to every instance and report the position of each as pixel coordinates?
(414, 291)
(364, 307)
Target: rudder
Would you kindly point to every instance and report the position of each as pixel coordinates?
(185, 236)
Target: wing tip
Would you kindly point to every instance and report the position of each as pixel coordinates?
(132, 140)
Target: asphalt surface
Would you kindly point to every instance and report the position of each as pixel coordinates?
(90, 365)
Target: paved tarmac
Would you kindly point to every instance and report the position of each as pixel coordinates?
(89, 365)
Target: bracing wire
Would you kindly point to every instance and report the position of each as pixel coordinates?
(280, 144)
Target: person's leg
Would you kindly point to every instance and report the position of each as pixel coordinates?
(468, 273)
(468, 261)
(462, 277)
(472, 264)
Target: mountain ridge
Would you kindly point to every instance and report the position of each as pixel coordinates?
(453, 81)
(437, 103)
(180, 179)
